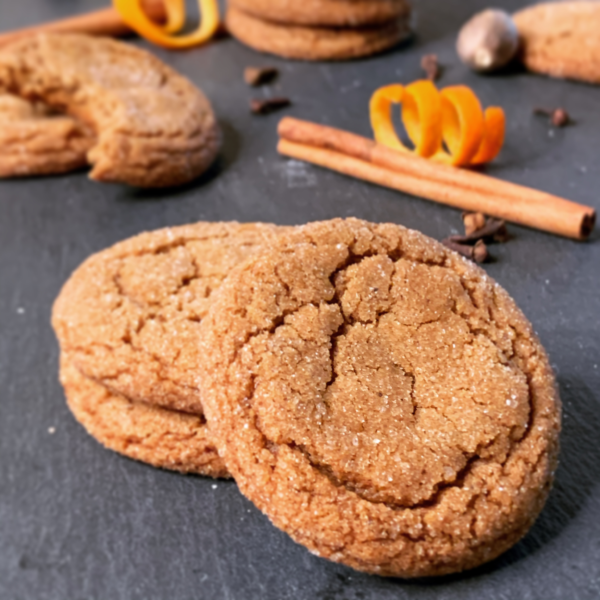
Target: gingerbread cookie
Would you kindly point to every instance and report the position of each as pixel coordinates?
(561, 39)
(163, 438)
(33, 141)
(381, 399)
(129, 316)
(325, 13)
(314, 43)
(153, 127)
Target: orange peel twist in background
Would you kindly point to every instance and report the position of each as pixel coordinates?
(133, 15)
(448, 126)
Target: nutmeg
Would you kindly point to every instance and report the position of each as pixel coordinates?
(488, 41)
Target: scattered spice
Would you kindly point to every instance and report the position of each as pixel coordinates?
(268, 105)
(432, 118)
(559, 117)
(480, 252)
(488, 41)
(491, 230)
(473, 221)
(431, 66)
(256, 76)
(477, 253)
(478, 231)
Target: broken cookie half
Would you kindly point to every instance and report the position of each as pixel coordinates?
(148, 125)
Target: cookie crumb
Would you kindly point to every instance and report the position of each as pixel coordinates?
(20, 310)
(51, 430)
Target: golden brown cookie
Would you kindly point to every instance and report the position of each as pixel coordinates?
(35, 142)
(153, 127)
(129, 316)
(325, 13)
(562, 39)
(314, 43)
(381, 399)
(162, 438)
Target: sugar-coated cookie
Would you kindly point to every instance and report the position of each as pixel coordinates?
(380, 398)
(561, 39)
(129, 316)
(160, 437)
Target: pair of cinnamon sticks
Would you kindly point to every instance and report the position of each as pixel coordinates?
(365, 159)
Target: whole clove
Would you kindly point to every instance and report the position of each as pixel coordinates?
(559, 117)
(256, 76)
(480, 252)
(268, 105)
(493, 230)
(473, 221)
(431, 66)
(477, 253)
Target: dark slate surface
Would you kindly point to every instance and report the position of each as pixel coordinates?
(78, 522)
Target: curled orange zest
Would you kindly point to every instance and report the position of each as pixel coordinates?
(175, 10)
(452, 118)
(380, 108)
(493, 136)
(133, 14)
(420, 115)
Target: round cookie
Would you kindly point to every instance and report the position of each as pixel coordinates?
(325, 13)
(129, 316)
(35, 142)
(561, 39)
(162, 438)
(314, 43)
(153, 127)
(381, 399)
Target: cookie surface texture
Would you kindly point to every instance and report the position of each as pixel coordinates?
(314, 43)
(153, 127)
(381, 399)
(129, 316)
(162, 438)
(325, 13)
(35, 142)
(562, 39)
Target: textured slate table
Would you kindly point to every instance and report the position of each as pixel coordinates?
(78, 522)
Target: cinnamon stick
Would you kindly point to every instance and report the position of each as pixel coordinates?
(360, 157)
(101, 22)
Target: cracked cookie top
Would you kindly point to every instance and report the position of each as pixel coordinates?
(153, 127)
(129, 316)
(380, 398)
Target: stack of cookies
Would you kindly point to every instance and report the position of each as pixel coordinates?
(379, 397)
(319, 29)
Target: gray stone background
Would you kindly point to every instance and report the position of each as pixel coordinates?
(78, 522)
